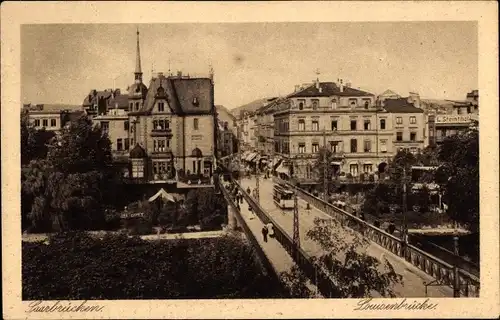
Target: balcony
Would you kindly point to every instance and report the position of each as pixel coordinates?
(161, 132)
(194, 180)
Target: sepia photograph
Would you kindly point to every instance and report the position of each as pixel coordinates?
(308, 160)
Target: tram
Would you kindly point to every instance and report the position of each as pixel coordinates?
(283, 197)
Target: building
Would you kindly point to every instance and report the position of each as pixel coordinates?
(265, 127)
(51, 117)
(99, 102)
(226, 143)
(115, 123)
(461, 116)
(169, 128)
(388, 94)
(409, 123)
(345, 120)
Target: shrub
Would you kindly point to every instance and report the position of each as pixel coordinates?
(77, 266)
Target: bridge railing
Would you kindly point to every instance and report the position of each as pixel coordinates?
(315, 273)
(433, 266)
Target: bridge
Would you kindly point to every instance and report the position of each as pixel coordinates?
(417, 268)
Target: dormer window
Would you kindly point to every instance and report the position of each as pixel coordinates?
(161, 107)
(195, 101)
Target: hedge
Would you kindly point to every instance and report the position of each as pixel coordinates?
(76, 266)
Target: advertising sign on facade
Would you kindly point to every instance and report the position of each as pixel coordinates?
(453, 119)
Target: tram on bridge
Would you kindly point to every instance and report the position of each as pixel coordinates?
(283, 197)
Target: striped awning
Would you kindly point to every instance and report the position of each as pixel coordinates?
(251, 156)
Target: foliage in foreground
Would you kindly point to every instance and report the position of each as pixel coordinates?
(76, 266)
(355, 273)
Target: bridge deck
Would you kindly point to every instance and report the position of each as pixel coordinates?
(413, 278)
(275, 253)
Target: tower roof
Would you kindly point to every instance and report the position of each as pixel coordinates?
(138, 56)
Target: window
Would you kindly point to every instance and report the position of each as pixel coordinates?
(45, 122)
(382, 124)
(302, 125)
(383, 145)
(119, 144)
(159, 167)
(159, 145)
(399, 120)
(354, 145)
(53, 122)
(353, 169)
(195, 123)
(413, 136)
(399, 136)
(105, 126)
(334, 125)
(137, 169)
(315, 125)
(127, 144)
(168, 143)
(353, 102)
(367, 125)
(367, 146)
(125, 125)
(131, 107)
(37, 122)
(367, 104)
(367, 168)
(353, 124)
(161, 107)
(334, 146)
(137, 106)
(315, 104)
(315, 147)
(413, 120)
(334, 103)
(301, 104)
(302, 147)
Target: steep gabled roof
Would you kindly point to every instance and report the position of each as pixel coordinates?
(400, 105)
(329, 89)
(180, 94)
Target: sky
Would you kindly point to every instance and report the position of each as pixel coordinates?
(439, 60)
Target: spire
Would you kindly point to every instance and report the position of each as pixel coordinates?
(138, 70)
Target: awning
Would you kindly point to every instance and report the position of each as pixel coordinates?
(276, 162)
(251, 156)
(283, 169)
(164, 195)
(336, 163)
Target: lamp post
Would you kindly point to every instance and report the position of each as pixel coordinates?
(405, 226)
(296, 230)
(257, 185)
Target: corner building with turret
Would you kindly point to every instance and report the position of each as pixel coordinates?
(161, 133)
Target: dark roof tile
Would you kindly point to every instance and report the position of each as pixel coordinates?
(329, 89)
(400, 105)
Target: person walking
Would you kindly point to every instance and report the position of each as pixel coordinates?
(264, 233)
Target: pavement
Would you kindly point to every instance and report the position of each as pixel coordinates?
(275, 253)
(413, 278)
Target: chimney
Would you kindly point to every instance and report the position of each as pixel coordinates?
(341, 85)
(159, 74)
(348, 84)
(179, 74)
(415, 99)
(297, 88)
(317, 84)
(117, 92)
(320, 89)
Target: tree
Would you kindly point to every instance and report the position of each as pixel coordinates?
(206, 207)
(296, 283)
(458, 177)
(33, 142)
(356, 274)
(319, 165)
(74, 182)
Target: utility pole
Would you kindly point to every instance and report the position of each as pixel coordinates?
(325, 168)
(257, 185)
(405, 226)
(456, 282)
(296, 230)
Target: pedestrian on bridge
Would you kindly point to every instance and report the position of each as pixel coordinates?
(264, 233)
